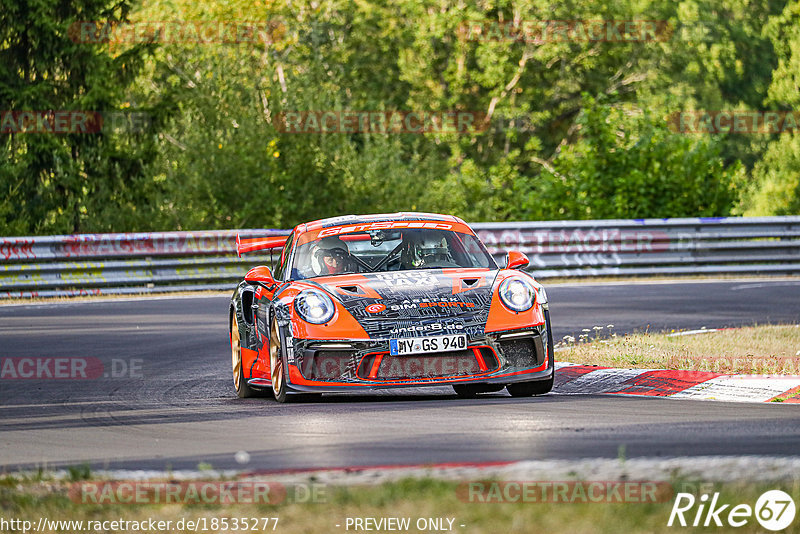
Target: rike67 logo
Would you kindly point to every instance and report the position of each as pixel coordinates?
(774, 510)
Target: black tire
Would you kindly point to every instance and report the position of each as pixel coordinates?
(243, 390)
(470, 391)
(529, 389)
(276, 369)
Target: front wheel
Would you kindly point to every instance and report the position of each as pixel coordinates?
(277, 372)
(537, 387)
(528, 389)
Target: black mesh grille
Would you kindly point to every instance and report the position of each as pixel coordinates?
(460, 362)
(523, 352)
(325, 364)
(435, 365)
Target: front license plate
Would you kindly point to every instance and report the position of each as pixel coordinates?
(421, 345)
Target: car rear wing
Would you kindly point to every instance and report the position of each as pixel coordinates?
(252, 244)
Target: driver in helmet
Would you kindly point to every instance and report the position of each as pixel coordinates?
(424, 249)
(333, 256)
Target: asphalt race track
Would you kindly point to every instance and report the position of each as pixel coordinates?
(179, 409)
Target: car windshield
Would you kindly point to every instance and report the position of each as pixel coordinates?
(389, 250)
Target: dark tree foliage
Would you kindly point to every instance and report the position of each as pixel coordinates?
(70, 182)
(575, 128)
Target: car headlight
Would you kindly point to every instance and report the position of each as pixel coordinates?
(314, 306)
(516, 294)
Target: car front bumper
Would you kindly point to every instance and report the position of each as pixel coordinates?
(519, 355)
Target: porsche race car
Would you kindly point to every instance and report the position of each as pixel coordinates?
(388, 301)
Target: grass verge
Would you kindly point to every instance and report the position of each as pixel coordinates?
(773, 349)
(415, 499)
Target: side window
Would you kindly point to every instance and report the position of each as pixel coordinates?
(280, 271)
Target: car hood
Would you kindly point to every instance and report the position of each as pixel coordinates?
(415, 303)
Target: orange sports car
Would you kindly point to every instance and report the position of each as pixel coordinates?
(388, 301)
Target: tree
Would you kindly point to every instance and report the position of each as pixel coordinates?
(777, 176)
(628, 164)
(568, 119)
(68, 182)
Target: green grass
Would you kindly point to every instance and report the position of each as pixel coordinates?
(414, 498)
(767, 349)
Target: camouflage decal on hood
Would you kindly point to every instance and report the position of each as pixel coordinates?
(416, 303)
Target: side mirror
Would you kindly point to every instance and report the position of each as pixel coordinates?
(516, 260)
(260, 275)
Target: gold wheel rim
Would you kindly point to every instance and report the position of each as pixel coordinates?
(236, 354)
(275, 362)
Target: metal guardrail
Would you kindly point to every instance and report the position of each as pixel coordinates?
(647, 247)
(93, 264)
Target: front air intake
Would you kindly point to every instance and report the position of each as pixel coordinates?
(326, 365)
(384, 366)
(523, 351)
